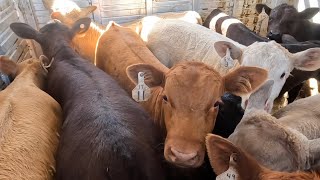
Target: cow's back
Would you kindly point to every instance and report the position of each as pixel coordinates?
(302, 115)
(119, 48)
(105, 135)
(172, 41)
(29, 125)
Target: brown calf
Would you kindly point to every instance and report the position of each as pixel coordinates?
(29, 122)
(229, 161)
(182, 97)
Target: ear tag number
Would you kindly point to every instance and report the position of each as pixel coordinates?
(141, 92)
(231, 173)
(227, 60)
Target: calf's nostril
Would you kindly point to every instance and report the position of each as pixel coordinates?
(183, 156)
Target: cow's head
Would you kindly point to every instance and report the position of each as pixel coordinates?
(276, 59)
(285, 19)
(71, 17)
(227, 160)
(52, 37)
(34, 68)
(189, 95)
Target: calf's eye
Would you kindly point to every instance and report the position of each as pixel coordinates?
(164, 97)
(282, 75)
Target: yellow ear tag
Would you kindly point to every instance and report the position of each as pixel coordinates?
(227, 60)
(231, 173)
(141, 92)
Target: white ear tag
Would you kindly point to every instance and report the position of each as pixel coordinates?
(141, 92)
(231, 173)
(227, 60)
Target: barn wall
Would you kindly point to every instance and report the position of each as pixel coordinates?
(124, 11)
(11, 45)
(37, 15)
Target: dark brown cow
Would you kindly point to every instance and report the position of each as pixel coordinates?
(105, 134)
(285, 19)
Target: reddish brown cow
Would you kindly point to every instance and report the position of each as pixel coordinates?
(182, 97)
(227, 160)
(29, 122)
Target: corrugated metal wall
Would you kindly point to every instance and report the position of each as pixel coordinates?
(11, 45)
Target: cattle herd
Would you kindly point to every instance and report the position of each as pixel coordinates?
(69, 114)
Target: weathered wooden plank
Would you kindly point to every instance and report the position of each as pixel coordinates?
(5, 22)
(8, 40)
(123, 13)
(121, 20)
(17, 49)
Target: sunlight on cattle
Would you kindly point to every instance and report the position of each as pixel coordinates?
(313, 3)
(147, 24)
(64, 6)
(313, 86)
(226, 23)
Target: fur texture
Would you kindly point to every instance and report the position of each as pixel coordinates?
(29, 124)
(289, 133)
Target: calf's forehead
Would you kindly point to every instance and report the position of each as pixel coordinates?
(270, 56)
(193, 85)
(284, 11)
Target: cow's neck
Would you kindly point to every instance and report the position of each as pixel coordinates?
(315, 31)
(63, 52)
(31, 77)
(307, 31)
(86, 44)
(154, 106)
(240, 33)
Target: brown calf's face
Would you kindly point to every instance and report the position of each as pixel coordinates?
(190, 91)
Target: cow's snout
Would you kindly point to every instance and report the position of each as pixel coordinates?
(275, 36)
(183, 158)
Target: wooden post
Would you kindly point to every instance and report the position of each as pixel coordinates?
(195, 5)
(149, 7)
(29, 42)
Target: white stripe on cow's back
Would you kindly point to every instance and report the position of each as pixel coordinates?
(214, 20)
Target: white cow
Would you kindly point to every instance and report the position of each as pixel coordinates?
(172, 41)
(287, 141)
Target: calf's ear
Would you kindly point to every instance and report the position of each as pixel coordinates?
(25, 31)
(8, 66)
(244, 80)
(222, 46)
(86, 11)
(259, 8)
(308, 13)
(308, 60)
(81, 26)
(152, 76)
(225, 156)
(219, 152)
(263, 93)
